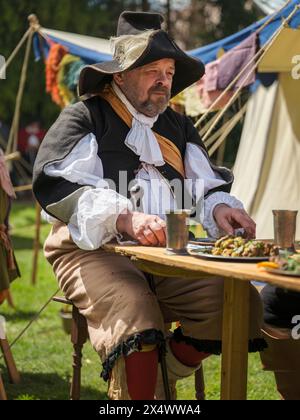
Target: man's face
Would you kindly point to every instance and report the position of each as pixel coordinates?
(148, 88)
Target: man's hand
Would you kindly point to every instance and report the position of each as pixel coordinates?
(147, 229)
(230, 219)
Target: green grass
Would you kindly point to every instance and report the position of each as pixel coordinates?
(44, 354)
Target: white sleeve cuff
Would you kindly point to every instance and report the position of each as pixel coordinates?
(93, 222)
(210, 203)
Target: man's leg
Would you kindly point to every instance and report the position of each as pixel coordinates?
(122, 313)
(198, 304)
(186, 353)
(141, 373)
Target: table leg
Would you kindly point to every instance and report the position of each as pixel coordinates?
(235, 340)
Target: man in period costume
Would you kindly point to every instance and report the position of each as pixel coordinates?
(9, 270)
(123, 132)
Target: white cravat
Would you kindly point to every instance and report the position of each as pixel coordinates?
(141, 139)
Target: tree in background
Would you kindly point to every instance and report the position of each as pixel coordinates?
(89, 17)
(193, 23)
(204, 21)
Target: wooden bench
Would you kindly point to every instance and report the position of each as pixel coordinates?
(79, 336)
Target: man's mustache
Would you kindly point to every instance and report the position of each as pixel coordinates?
(160, 90)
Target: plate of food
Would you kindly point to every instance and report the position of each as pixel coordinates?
(286, 264)
(202, 241)
(236, 249)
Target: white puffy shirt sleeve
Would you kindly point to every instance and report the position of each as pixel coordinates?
(93, 222)
(197, 167)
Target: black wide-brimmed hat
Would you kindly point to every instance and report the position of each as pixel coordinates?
(140, 40)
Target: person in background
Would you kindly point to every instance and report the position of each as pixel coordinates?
(29, 141)
(9, 270)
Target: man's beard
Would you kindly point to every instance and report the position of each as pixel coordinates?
(150, 107)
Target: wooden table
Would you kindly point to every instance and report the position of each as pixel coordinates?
(237, 277)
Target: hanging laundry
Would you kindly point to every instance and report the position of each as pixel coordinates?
(208, 97)
(8, 266)
(232, 62)
(192, 102)
(220, 73)
(211, 76)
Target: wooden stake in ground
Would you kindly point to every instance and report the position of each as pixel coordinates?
(13, 373)
(2, 390)
(36, 244)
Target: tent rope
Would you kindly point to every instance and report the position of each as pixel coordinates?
(31, 322)
(262, 52)
(245, 67)
(208, 124)
(216, 135)
(21, 171)
(12, 156)
(22, 188)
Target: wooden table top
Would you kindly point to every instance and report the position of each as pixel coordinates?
(190, 265)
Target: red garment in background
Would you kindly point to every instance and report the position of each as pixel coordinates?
(234, 61)
(24, 136)
(220, 73)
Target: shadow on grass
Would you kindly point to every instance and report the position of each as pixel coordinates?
(20, 315)
(46, 386)
(22, 242)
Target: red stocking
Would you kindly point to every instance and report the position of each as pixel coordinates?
(186, 353)
(141, 372)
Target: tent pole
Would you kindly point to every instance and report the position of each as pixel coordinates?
(214, 137)
(221, 153)
(12, 156)
(23, 188)
(3, 395)
(36, 245)
(34, 26)
(16, 50)
(227, 130)
(13, 135)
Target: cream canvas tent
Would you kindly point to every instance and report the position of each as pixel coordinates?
(267, 168)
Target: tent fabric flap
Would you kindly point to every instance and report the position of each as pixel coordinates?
(250, 157)
(276, 169)
(89, 49)
(279, 58)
